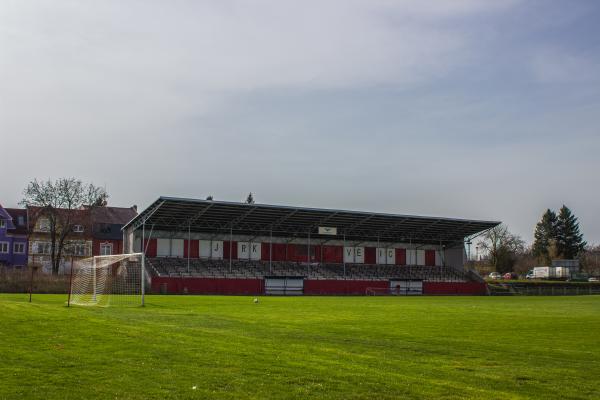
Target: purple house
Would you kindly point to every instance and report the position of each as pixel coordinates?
(13, 237)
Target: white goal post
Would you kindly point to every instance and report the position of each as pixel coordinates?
(118, 279)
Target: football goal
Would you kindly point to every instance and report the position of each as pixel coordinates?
(117, 279)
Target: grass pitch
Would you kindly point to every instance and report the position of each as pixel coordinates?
(306, 347)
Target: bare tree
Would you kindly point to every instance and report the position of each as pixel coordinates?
(58, 201)
(502, 247)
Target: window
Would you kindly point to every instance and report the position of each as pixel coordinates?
(78, 249)
(2, 223)
(18, 248)
(77, 228)
(106, 249)
(41, 248)
(44, 224)
(20, 220)
(3, 247)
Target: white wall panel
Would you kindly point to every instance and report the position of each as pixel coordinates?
(381, 255)
(204, 248)
(255, 250)
(386, 256)
(163, 247)
(243, 251)
(411, 257)
(217, 250)
(420, 257)
(359, 255)
(438, 258)
(348, 254)
(391, 256)
(176, 247)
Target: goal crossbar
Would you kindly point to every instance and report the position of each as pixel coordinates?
(108, 280)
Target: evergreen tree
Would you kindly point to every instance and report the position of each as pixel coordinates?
(209, 197)
(250, 198)
(569, 241)
(545, 237)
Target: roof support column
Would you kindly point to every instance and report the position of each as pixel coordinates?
(271, 252)
(188, 248)
(308, 255)
(344, 255)
(230, 248)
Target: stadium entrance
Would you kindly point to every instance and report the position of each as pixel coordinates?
(284, 286)
(406, 287)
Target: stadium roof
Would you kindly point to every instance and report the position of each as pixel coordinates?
(180, 214)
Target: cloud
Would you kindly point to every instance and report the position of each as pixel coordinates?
(557, 65)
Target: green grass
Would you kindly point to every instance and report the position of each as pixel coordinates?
(307, 347)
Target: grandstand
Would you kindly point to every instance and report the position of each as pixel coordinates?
(202, 247)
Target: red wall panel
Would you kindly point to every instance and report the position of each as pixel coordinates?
(226, 250)
(370, 255)
(348, 287)
(208, 286)
(150, 246)
(454, 288)
(291, 252)
(279, 252)
(194, 248)
(265, 251)
(400, 256)
(333, 254)
(430, 258)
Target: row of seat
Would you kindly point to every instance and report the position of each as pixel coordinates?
(178, 267)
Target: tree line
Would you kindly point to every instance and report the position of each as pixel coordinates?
(557, 236)
(57, 200)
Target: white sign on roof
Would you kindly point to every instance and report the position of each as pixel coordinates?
(327, 230)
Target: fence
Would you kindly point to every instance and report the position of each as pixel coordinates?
(19, 281)
(551, 289)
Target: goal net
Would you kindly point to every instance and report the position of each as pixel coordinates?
(378, 291)
(108, 280)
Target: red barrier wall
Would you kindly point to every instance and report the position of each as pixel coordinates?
(341, 286)
(461, 288)
(311, 287)
(208, 285)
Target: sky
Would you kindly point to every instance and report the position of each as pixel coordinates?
(463, 108)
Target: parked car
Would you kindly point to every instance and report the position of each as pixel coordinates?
(593, 279)
(495, 275)
(530, 275)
